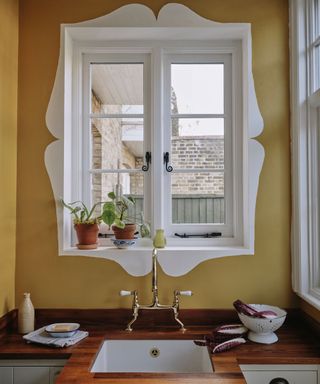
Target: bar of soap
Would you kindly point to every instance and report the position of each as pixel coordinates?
(62, 328)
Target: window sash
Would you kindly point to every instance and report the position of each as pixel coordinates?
(227, 227)
(88, 171)
(305, 152)
(313, 43)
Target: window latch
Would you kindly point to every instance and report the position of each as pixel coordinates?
(205, 235)
(166, 161)
(145, 168)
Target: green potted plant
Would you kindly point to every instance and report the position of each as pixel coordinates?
(86, 224)
(115, 215)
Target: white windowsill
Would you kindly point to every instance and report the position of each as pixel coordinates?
(136, 249)
(136, 260)
(310, 299)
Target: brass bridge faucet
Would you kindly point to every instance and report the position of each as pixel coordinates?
(155, 301)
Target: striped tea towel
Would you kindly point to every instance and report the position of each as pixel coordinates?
(40, 336)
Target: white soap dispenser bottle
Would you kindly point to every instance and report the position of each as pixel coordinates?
(26, 315)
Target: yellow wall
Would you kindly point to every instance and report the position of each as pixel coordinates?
(8, 149)
(86, 282)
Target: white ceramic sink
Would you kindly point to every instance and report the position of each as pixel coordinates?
(176, 356)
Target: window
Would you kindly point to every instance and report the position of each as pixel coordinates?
(183, 94)
(193, 192)
(305, 72)
(195, 130)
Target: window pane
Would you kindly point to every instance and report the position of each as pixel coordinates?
(197, 88)
(117, 88)
(117, 143)
(129, 184)
(317, 17)
(197, 143)
(197, 198)
(317, 68)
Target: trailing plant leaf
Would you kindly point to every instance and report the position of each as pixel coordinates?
(108, 216)
(118, 223)
(112, 195)
(128, 200)
(108, 206)
(145, 230)
(82, 216)
(115, 212)
(80, 212)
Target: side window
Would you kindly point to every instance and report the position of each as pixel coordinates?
(305, 130)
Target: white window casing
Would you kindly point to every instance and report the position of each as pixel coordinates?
(305, 126)
(133, 33)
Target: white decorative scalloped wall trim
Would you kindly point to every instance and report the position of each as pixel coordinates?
(141, 21)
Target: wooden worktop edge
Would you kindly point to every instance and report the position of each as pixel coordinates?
(117, 318)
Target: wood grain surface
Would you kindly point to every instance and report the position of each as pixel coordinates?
(298, 344)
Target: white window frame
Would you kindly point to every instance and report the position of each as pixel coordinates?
(231, 92)
(176, 25)
(305, 128)
(159, 55)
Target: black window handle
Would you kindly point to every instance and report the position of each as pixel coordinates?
(166, 161)
(145, 168)
(206, 235)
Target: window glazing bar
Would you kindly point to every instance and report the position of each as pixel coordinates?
(116, 115)
(198, 170)
(198, 115)
(116, 170)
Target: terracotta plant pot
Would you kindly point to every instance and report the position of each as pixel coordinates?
(125, 233)
(87, 235)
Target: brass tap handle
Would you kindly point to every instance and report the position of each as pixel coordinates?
(130, 293)
(176, 295)
(135, 306)
(126, 293)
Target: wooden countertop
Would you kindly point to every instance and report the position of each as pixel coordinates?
(298, 344)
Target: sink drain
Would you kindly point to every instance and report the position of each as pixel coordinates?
(154, 352)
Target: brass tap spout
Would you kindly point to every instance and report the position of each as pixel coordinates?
(154, 277)
(155, 301)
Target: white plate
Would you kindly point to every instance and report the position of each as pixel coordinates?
(53, 329)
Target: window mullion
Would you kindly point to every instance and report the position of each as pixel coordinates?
(198, 115)
(86, 135)
(158, 125)
(116, 115)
